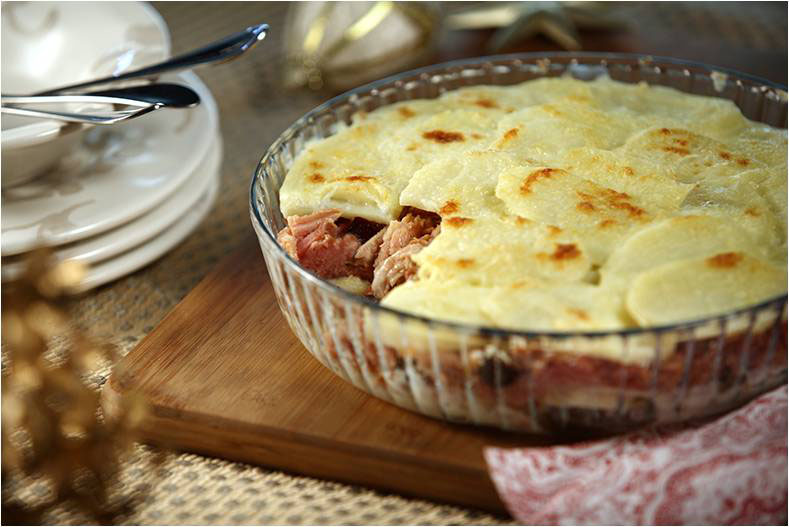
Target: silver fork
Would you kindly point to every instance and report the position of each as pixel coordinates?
(132, 108)
(135, 101)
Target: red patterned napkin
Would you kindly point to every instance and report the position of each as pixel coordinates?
(731, 471)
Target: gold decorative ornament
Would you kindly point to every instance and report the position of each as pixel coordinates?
(558, 21)
(54, 435)
(343, 44)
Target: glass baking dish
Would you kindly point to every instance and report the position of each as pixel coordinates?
(537, 382)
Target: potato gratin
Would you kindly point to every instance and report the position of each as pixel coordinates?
(555, 204)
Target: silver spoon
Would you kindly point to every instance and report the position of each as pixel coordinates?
(161, 93)
(222, 50)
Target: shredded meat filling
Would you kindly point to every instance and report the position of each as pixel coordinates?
(368, 253)
(332, 247)
(396, 268)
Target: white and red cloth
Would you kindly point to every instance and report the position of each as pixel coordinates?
(730, 471)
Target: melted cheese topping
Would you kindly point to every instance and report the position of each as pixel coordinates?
(566, 204)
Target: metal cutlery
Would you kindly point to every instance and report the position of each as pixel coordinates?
(126, 103)
(223, 50)
(137, 100)
(131, 109)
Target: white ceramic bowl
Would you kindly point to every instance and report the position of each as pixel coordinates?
(50, 44)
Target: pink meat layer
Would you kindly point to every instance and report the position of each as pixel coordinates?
(318, 244)
(327, 249)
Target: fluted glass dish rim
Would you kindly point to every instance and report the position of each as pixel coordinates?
(483, 330)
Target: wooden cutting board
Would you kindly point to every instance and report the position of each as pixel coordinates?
(225, 376)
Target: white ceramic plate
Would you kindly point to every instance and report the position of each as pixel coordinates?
(113, 242)
(51, 44)
(134, 259)
(48, 44)
(119, 173)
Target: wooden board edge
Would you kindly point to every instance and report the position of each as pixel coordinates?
(311, 459)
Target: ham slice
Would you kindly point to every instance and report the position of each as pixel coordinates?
(326, 248)
(318, 244)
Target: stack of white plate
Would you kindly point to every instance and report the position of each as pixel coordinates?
(124, 196)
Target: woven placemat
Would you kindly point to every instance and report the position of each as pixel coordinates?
(254, 109)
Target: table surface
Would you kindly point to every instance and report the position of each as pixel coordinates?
(254, 109)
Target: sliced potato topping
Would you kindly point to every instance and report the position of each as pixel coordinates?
(698, 287)
(565, 204)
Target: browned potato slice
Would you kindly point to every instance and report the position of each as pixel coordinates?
(699, 287)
